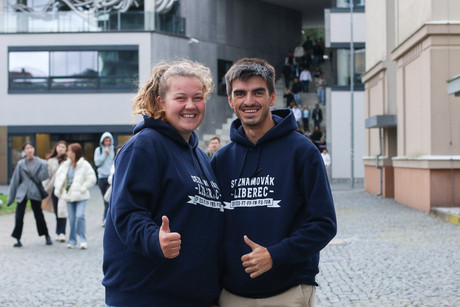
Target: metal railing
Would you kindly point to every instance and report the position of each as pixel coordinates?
(62, 22)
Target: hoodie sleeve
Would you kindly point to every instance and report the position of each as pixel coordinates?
(99, 156)
(318, 225)
(135, 196)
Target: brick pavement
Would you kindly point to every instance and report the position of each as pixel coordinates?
(40, 275)
(385, 254)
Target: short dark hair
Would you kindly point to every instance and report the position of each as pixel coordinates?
(251, 67)
(215, 138)
(27, 143)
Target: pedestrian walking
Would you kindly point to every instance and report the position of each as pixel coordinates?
(317, 116)
(306, 117)
(73, 180)
(320, 89)
(163, 234)
(55, 159)
(24, 186)
(104, 155)
(305, 79)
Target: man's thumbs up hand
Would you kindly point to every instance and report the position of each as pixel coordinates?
(169, 241)
(258, 261)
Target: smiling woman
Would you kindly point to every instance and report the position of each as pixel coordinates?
(165, 203)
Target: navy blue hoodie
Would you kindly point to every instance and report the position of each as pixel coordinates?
(158, 173)
(277, 193)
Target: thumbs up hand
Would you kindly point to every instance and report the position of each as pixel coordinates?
(258, 261)
(169, 241)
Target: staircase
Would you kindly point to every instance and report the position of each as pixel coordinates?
(310, 98)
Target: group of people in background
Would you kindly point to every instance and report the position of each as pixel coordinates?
(66, 177)
(184, 230)
(298, 77)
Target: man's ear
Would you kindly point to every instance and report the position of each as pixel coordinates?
(230, 102)
(272, 99)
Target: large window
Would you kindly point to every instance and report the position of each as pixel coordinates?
(346, 3)
(78, 69)
(342, 66)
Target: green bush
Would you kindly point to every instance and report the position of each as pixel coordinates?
(4, 209)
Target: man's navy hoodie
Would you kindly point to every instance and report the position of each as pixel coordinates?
(158, 173)
(277, 193)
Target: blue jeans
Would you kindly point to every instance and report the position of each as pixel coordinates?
(297, 98)
(76, 213)
(321, 96)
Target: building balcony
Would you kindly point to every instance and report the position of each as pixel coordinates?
(69, 22)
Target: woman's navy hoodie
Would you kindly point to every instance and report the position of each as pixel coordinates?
(158, 173)
(277, 193)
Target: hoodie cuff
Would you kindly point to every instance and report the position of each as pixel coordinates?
(279, 255)
(154, 246)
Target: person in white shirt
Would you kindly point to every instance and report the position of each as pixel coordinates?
(298, 52)
(305, 79)
(327, 159)
(297, 114)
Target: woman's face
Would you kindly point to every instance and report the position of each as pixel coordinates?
(61, 149)
(29, 150)
(71, 155)
(184, 104)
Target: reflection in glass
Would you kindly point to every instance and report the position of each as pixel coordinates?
(73, 63)
(28, 64)
(343, 66)
(115, 70)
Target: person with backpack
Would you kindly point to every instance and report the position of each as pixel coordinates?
(103, 159)
(29, 172)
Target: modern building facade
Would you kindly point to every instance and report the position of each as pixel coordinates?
(413, 137)
(346, 145)
(70, 72)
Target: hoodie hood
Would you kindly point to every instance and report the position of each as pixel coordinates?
(167, 130)
(284, 123)
(105, 135)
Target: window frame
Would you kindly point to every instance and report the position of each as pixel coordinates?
(96, 80)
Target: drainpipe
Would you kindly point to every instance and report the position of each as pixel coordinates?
(377, 161)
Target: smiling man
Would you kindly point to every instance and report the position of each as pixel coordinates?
(279, 211)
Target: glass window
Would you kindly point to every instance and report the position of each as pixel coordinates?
(343, 66)
(73, 70)
(346, 3)
(73, 63)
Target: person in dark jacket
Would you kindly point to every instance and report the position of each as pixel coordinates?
(278, 214)
(163, 233)
(23, 188)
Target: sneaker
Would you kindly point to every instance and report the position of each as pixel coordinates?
(83, 245)
(61, 237)
(70, 246)
(103, 223)
(17, 244)
(48, 240)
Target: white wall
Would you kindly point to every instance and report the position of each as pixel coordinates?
(339, 134)
(340, 27)
(69, 109)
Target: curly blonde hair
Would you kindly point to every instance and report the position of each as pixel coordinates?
(146, 101)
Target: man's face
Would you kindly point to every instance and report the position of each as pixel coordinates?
(107, 141)
(251, 101)
(213, 146)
